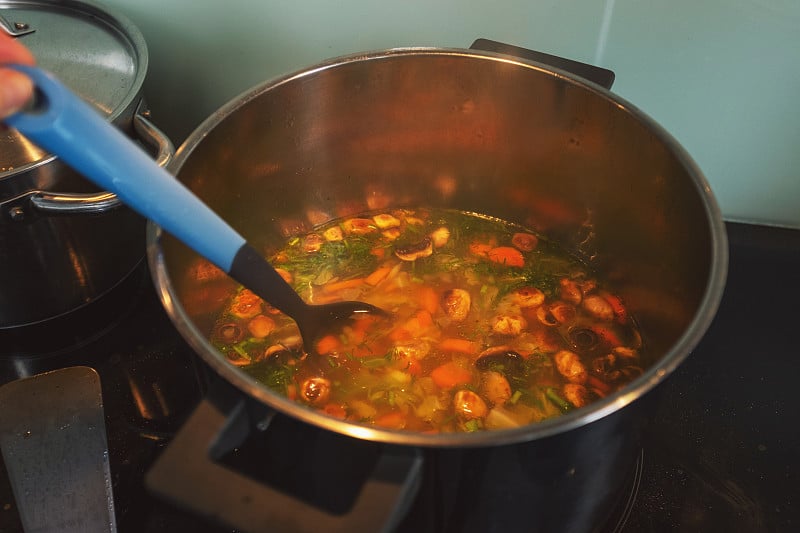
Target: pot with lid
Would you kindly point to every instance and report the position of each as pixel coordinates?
(66, 244)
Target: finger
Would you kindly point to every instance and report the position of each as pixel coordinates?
(15, 91)
(13, 51)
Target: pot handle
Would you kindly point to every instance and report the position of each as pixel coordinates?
(77, 203)
(601, 76)
(187, 475)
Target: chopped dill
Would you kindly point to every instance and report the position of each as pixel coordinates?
(277, 377)
(353, 256)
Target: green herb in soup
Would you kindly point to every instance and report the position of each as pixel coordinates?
(492, 326)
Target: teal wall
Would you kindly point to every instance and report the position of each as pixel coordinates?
(723, 76)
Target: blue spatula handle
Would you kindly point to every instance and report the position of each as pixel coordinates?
(66, 126)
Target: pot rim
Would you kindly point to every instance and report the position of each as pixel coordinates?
(651, 377)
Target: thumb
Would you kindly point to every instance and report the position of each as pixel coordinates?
(15, 91)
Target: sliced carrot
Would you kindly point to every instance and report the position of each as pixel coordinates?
(419, 321)
(285, 274)
(328, 344)
(601, 386)
(364, 322)
(506, 255)
(201, 270)
(359, 342)
(393, 420)
(480, 248)
(620, 312)
(359, 346)
(428, 299)
(335, 410)
(291, 391)
(413, 367)
(450, 374)
(342, 285)
(608, 335)
(400, 334)
(413, 327)
(378, 275)
(379, 252)
(459, 345)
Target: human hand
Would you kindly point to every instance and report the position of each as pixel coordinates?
(15, 88)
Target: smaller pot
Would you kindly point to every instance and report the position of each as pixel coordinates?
(64, 243)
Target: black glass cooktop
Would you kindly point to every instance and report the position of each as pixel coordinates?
(721, 452)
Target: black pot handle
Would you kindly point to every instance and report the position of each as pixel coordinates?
(598, 75)
(187, 474)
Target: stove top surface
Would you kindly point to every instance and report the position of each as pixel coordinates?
(720, 453)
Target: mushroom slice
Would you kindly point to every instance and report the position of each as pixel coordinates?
(440, 236)
(424, 248)
(599, 307)
(228, 332)
(456, 304)
(316, 391)
(246, 304)
(571, 367)
(278, 353)
(260, 326)
(525, 241)
(358, 226)
(469, 405)
(495, 387)
(583, 338)
(570, 291)
(313, 242)
(386, 221)
(413, 349)
(555, 313)
(499, 358)
(391, 234)
(576, 394)
(526, 297)
(509, 324)
(333, 234)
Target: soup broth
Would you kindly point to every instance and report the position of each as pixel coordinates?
(492, 325)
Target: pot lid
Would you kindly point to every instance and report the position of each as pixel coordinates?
(99, 55)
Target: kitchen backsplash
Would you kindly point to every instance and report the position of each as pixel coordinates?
(722, 76)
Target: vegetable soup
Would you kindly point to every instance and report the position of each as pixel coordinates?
(492, 326)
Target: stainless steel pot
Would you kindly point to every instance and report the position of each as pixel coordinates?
(64, 243)
(480, 132)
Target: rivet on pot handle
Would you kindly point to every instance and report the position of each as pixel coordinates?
(15, 29)
(78, 203)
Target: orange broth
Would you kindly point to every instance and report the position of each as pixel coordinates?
(492, 325)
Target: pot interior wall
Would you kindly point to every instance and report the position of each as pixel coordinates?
(468, 132)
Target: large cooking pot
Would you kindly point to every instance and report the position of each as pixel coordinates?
(65, 244)
(482, 132)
